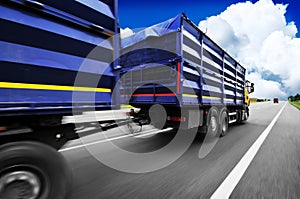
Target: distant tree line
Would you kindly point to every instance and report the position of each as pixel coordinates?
(294, 98)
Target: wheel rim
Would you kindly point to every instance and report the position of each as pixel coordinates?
(213, 124)
(23, 184)
(224, 125)
(246, 115)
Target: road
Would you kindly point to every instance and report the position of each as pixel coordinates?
(274, 171)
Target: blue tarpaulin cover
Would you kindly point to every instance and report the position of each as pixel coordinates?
(157, 30)
(174, 58)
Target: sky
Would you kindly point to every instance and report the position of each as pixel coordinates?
(262, 35)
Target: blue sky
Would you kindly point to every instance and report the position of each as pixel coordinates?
(261, 34)
(139, 14)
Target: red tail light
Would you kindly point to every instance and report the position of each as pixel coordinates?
(176, 119)
(2, 128)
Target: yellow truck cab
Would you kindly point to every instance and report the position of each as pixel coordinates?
(249, 88)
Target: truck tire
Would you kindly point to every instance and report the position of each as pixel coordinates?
(239, 116)
(223, 123)
(158, 116)
(32, 170)
(246, 115)
(212, 122)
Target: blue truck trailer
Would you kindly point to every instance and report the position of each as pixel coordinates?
(42, 47)
(177, 75)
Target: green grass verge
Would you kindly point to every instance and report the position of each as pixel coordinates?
(296, 104)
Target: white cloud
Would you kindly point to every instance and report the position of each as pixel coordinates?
(258, 35)
(266, 88)
(222, 32)
(126, 32)
(280, 54)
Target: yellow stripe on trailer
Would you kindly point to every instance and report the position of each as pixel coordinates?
(52, 87)
(229, 99)
(210, 97)
(189, 95)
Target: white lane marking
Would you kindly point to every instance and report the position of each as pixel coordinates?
(115, 138)
(225, 189)
(152, 133)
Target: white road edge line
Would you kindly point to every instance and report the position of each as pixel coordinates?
(111, 139)
(226, 188)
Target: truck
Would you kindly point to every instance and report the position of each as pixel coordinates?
(43, 45)
(177, 76)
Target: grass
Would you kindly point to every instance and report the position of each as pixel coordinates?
(296, 104)
(253, 100)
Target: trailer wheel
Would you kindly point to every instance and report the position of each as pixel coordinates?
(158, 116)
(223, 123)
(239, 116)
(246, 114)
(213, 122)
(31, 170)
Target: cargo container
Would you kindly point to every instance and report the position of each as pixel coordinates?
(43, 45)
(177, 75)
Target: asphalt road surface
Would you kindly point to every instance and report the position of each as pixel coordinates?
(274, 171)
